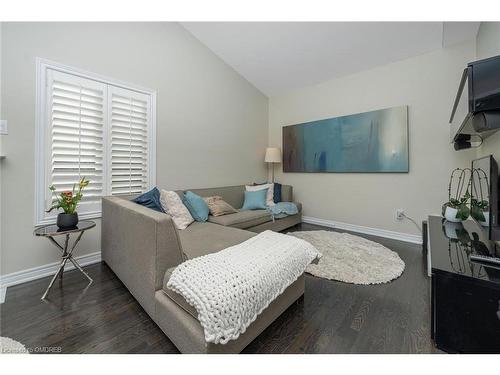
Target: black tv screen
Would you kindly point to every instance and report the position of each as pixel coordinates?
(484, 85)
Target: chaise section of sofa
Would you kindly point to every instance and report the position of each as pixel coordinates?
(141, 246)
(204, 238)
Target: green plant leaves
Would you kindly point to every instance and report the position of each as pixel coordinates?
(477, 213)
(467, 206)
(461, 205)
(463, 211)
(68, 200)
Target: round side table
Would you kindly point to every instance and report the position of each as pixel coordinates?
(51, 231)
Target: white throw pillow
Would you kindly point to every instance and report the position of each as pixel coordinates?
(172, 205)
(270, 192)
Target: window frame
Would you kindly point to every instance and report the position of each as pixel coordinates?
(42, 136)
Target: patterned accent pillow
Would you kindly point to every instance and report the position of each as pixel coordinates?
(218, 206)
(172, 205)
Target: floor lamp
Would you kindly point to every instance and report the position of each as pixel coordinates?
(273, 155)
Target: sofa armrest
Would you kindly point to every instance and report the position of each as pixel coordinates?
(138, 244)
(286, 193)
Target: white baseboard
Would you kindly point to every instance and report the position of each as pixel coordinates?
(50, 269)
(412, 238)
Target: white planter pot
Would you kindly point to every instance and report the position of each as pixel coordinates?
(451, 228)
(451, 215)
(486, 222)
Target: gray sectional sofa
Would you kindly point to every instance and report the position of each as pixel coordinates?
(142, 247)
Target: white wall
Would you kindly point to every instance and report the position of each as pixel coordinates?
(488, 40)
(212, 124)
(1, 152)
(427, 84)
(488, 45)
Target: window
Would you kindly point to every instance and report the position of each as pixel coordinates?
(93, 127)
(129, 141)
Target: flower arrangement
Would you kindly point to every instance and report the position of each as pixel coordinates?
(457, 208)
(68, 200)
(460, 205)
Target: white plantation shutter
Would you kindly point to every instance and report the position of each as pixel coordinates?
(93, 127)
(76, 116)
(130, 120)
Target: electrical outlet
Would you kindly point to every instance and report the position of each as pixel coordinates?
(3, 127)
(400, 214)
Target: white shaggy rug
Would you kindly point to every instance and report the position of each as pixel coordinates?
(352, 259)
(9, 346)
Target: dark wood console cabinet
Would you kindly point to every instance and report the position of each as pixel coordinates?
(465, 295)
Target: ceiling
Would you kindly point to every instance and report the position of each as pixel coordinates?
(280, 56)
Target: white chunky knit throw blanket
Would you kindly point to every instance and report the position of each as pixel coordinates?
(230, 288)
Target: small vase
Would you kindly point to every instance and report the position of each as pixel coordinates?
(67, 220)
(451, 215)
(486, 221)
(451, 229)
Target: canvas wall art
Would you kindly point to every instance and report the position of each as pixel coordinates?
(375, 141)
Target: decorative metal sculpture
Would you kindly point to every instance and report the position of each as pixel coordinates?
(479, 201)
(457, 208)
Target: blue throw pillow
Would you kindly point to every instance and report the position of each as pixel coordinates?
(150, 199)
(276, 191)
(196, 206)
(255, 200)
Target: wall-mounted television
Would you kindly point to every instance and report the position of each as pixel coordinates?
(483, 117)
(484, 85)
(484, 195)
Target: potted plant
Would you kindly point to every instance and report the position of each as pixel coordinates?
(480, 211)
(456, 232)
(68, 202)
(457, 210)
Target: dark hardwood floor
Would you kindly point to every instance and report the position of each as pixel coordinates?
(331, 317)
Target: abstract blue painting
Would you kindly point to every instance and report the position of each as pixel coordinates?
(375, 141)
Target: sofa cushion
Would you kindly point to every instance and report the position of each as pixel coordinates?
(218, 207)
(242, 219)
(269, 194)
(234, 195)
(197, 207)
(204, 238)
(150, 199)
(255, 200)
(172, 205)
(276, 190)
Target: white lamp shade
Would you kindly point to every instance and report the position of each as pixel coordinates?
(273, 155)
